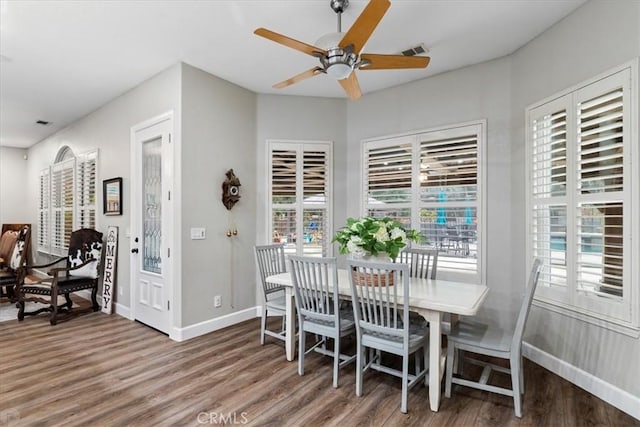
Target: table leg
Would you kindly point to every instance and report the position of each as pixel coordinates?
(435, 358)
(290, 324)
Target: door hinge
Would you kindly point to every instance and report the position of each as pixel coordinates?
(169, 138)
(168, 306)
(169, 194)
(168, 252)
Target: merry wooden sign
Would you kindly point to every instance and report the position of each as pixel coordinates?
(108, 282)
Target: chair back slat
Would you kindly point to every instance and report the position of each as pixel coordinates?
(423, 262)
(526, 304)
(270, 260)
(379, 291)
(315, 283)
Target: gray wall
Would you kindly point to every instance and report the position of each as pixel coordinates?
(473, 93)
(218, 134)
(13, 174)
(108, 129)
(300, 119)
(596, 37)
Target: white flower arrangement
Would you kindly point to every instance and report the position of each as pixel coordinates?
(373, 236)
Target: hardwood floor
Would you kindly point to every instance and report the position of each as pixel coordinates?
(108, 371)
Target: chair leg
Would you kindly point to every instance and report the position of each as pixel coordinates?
(54, 305)
(69, 303)
(521, 373)
(94, 300)
(20, 309)
(336, 359)
(449, 370)
(359, 360)
(405, 383)
(301, 348)
(425, 356)
(515, 384)
(263, 324)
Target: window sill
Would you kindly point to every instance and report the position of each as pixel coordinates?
(574, 312)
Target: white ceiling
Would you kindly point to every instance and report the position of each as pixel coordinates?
(63, 59)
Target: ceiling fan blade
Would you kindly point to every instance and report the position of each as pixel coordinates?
(368, 20)
(351, 86)
(295, 79)
(387, 62)
(289, 42)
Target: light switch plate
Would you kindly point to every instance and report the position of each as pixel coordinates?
(198, 233)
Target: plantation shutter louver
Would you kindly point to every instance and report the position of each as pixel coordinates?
(548, 189)
(43, 211)
(449, 165)
(86, 191)
(62, 183)
(314, 180)
(389, 173)
(389, 181)
(600, 185)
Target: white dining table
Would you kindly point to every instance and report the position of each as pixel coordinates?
(430, 298)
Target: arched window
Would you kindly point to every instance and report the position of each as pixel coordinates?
(67, 199)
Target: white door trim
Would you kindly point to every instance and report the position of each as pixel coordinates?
(173, 236)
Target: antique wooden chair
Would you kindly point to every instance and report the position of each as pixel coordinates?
(15, 250)
(81, 272)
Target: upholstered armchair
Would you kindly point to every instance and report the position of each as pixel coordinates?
(14, 255)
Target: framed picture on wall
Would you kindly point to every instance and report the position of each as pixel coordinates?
(112, 196)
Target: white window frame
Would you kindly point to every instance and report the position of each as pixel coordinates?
(414, 138)
(620, 314)
(300, 147)
(46, 209)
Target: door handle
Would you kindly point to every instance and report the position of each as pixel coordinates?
(134, 250)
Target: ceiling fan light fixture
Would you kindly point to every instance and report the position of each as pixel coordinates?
(339, 71)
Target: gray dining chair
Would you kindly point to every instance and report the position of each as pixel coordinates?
(315, 283)
(270, 260)
(474, 337)
(382, 322)
(423, 262)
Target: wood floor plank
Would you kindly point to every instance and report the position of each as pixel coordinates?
(108, 371)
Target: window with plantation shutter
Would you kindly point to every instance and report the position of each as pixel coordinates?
(300, 197)
(581, 207)
(67, 200)
(431, 182)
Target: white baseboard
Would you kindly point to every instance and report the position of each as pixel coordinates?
(182, 334)
(611, 394)
(122, 310)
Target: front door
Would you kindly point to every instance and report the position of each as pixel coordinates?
(151, 236)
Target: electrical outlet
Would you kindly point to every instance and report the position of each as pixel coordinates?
(217, 301)
(120, 292)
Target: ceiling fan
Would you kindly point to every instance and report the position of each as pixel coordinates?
(340, 52)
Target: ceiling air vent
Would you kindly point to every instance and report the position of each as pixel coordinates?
(43, 122)
(416, 50)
